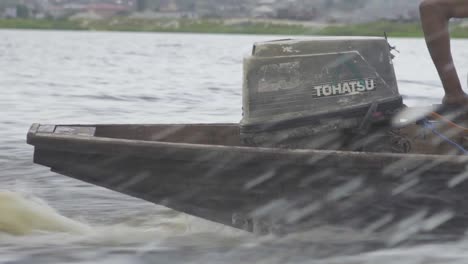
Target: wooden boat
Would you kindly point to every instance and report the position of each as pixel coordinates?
(272, 171)
(204, 170)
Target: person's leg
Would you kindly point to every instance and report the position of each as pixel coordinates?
(435, 16)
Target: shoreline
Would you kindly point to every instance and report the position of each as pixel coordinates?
(231, 26)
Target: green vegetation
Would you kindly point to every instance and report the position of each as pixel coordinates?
(40, 24)
(22, 11)
(394, 29)
(197, 26)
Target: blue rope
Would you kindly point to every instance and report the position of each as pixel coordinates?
(430, 126)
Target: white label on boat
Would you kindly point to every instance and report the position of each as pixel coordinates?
(345, 88)
(280, 76)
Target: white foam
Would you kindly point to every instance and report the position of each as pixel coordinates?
(21, 215)
(25, 219)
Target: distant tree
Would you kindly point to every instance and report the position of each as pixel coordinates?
(22, 11)
(141, 5)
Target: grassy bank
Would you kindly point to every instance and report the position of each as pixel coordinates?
(394, 29)
(39, 24)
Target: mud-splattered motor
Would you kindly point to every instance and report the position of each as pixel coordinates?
(323, 93)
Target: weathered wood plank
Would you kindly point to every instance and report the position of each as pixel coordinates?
(289, 190)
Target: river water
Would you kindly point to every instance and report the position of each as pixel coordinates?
(97, 77)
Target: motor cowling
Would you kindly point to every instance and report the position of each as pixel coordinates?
(312, 93)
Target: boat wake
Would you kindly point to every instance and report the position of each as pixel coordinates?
(26, 219)
(23, 215)
(30, 222)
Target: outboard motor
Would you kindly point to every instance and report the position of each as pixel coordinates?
(323, 93)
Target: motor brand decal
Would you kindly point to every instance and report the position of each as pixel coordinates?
(345, 88)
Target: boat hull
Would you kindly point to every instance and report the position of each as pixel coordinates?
(204, 170)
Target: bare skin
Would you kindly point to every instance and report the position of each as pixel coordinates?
(435, 16)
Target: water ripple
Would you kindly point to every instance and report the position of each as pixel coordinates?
(98, 77)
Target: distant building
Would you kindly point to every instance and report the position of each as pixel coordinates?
(168, 6)
(395, 10)
(264, 11)
(107, 10)
(340, 11)
(297, 10)
(10, 12)
(85, 16)
(89, 8)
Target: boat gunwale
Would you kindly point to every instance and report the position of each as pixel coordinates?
(91, 144)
